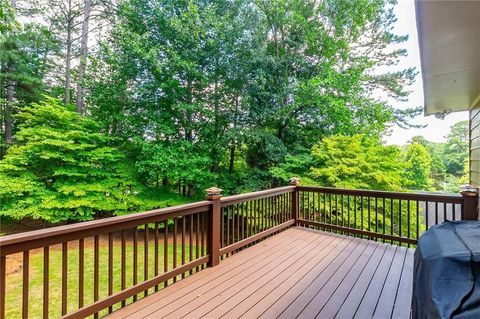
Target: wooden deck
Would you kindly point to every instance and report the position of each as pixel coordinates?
(299, 273)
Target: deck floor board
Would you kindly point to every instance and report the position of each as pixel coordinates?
(298, 273)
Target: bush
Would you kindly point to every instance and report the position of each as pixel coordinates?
(62, 168)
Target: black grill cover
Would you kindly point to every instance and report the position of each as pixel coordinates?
(446, 280)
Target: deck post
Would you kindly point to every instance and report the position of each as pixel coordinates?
(214, 195)
(294, 181)
(470, 203)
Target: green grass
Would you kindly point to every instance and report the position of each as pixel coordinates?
(14, 275)
(14, 272)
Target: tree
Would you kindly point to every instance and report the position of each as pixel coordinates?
(218, 92)
(7, 17)
(312, 76)
(161, 163)
(63, 16)
(298, 165)
(63, 168)
(8, 81)
(83, 55)
(73, 23)
(456, 148)
(182, 72)
(417, 167)
(438, 167)
(25, 62)
(357, 162)
(453, 183)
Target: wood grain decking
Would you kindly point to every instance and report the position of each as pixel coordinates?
(299, 273)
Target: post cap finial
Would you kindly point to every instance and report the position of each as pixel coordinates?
(214, 191)
(294, 181)
(468, 190)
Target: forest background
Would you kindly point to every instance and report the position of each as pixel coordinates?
(112, 107)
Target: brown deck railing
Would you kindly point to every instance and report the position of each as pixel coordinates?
(153, 249)
(120, 259)
(250, 217)
(393, 216)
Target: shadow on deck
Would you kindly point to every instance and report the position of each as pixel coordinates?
(299, 273)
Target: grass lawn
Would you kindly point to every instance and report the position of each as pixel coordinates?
(15, 271)
(14, 274)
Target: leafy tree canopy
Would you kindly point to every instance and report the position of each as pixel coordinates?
(456, 148)
(180, 95)
(418, 165)
(357, 161)
(63, 168)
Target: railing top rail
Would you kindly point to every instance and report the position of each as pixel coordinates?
(233, 199)
(431, 197)
(94, 227)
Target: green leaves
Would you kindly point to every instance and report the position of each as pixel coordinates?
(184, 162)
(219, 74)
(456, 148)
(418, 166)
(62, 168)
(7, 17)
(188, 94)
(448, 167)
(357, 162)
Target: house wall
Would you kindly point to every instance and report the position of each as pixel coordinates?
(475, 146)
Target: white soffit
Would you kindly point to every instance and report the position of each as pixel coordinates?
(449, 39)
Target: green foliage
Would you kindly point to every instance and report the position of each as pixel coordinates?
(453, 183)
(364, 162)
(265, 150)
(162, 163)
(357, 162)
(371, 214)
(7, 18)
(456, 148)
(438, 166)
(25, 61)
(417, 167)
(448, 160)
(298, 165)
(62, 168)
(184, 95)
(235, 84)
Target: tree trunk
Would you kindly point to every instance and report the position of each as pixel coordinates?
(281, 129)
(232, 147)
(9, 109)
(68, 80)
(165, 181)
(190, 190)
(188, 115)
(68, 57)
(8, 120)
(216, 146)
(232, 159)
(83, 57)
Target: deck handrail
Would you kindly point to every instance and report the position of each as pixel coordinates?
(422, 196)
(58, 234)
(234, 199)
(193, 236)
(397, 217)
(189, 235)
